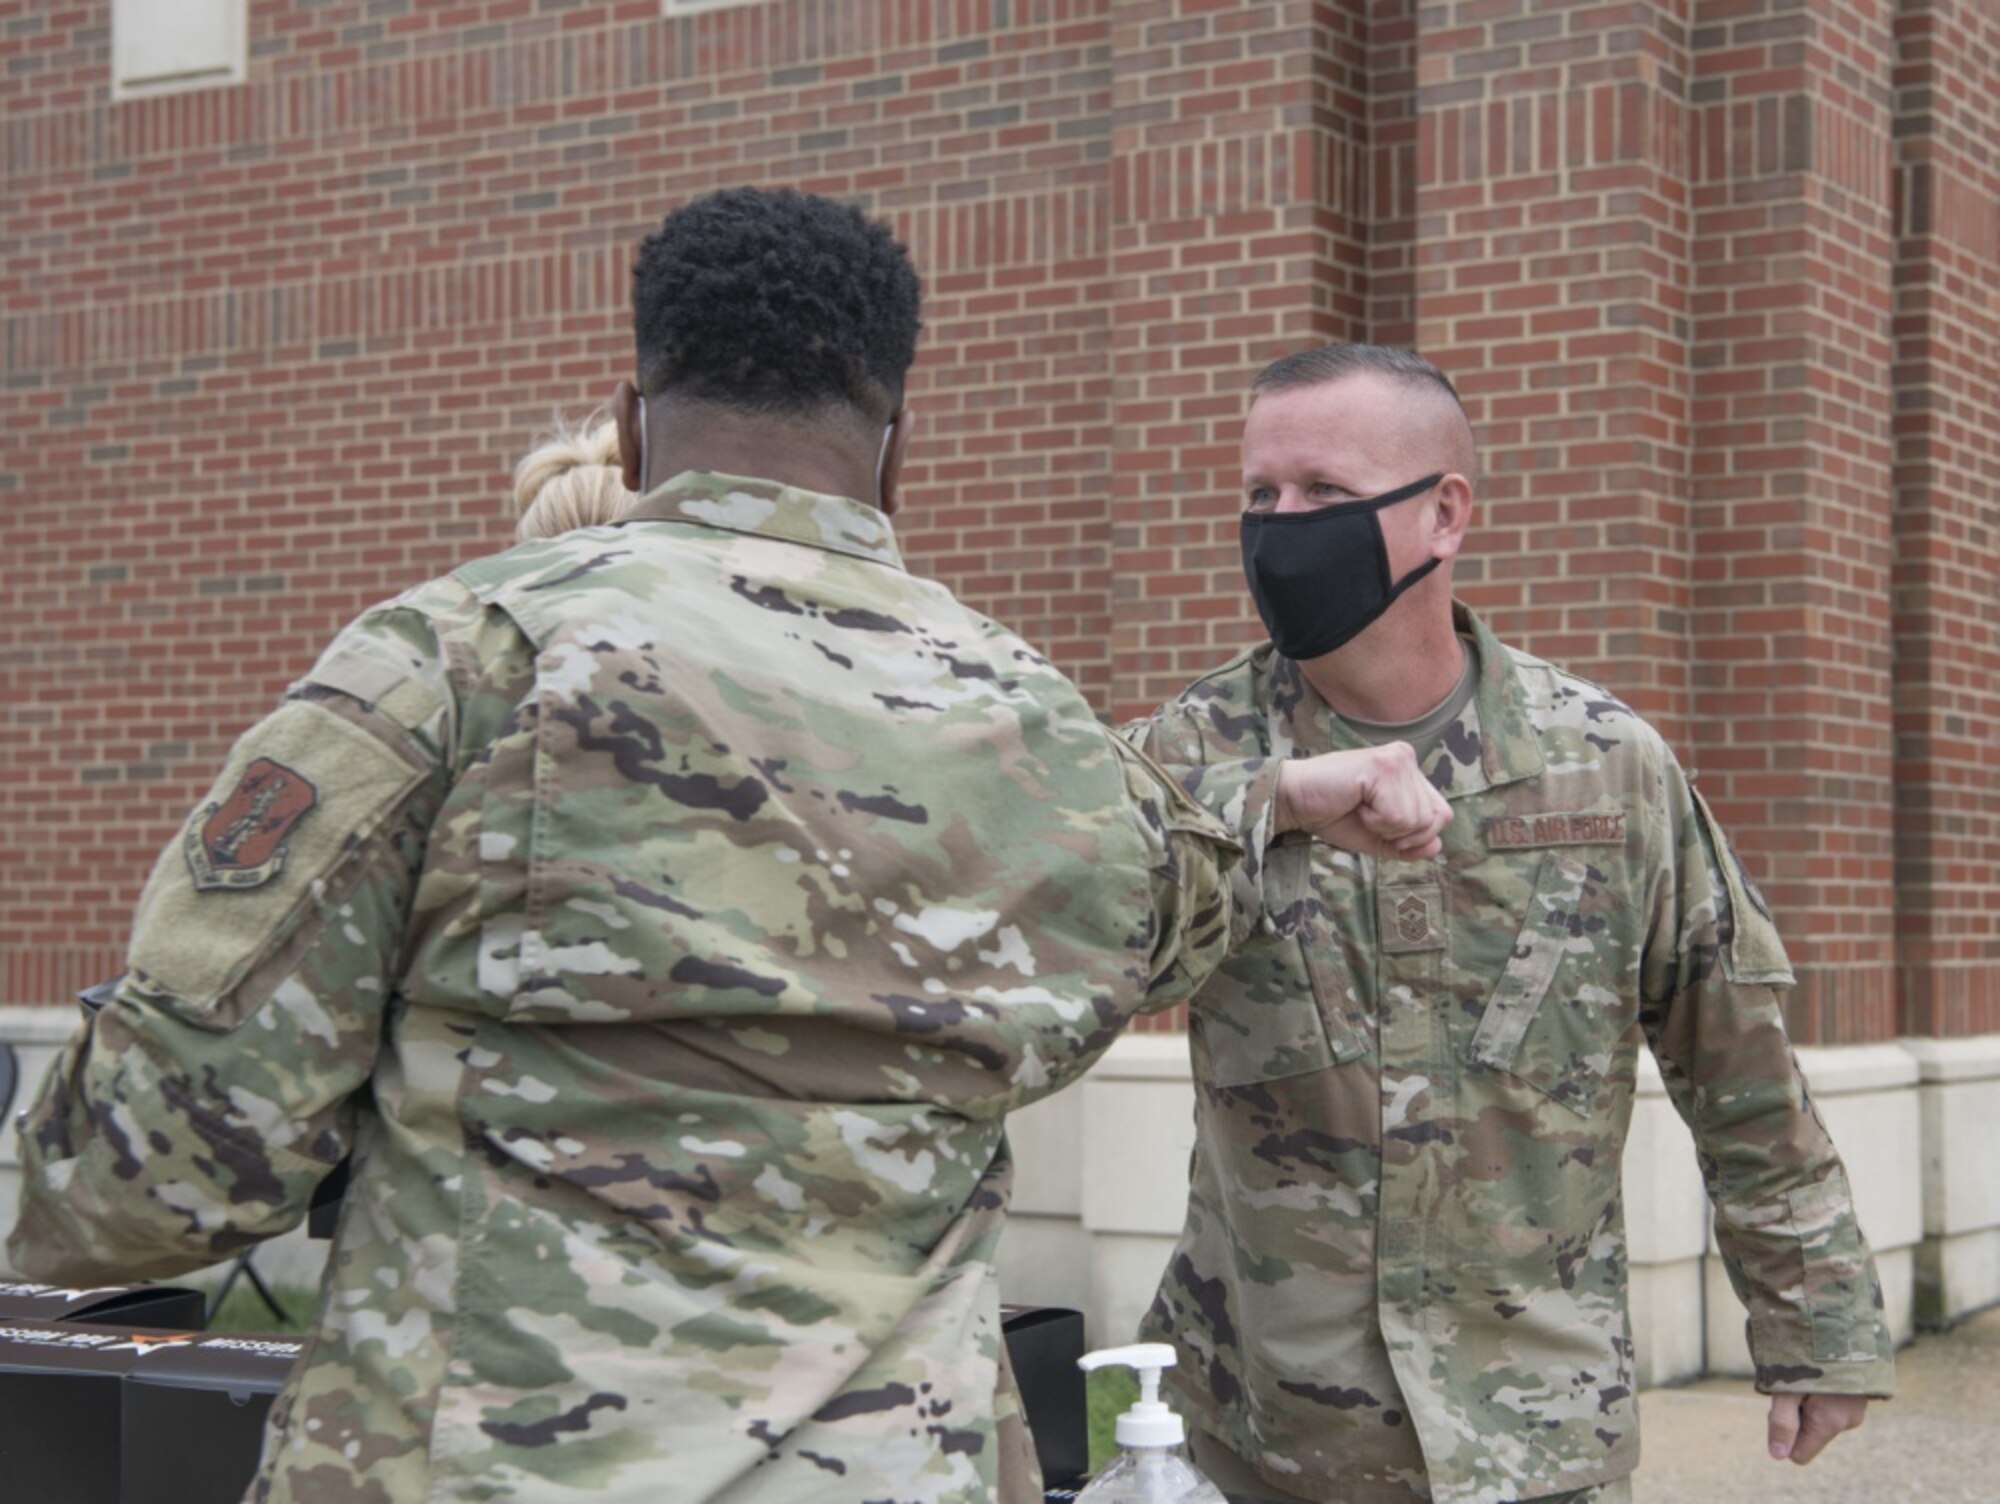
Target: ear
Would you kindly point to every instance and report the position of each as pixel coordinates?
(631, 440)
(1450, 516)
(889, 494)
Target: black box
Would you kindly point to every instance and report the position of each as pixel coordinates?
(109, 1305)
(193, 1418)
(1043, 1344)
(114, 1415)
(61, 1389)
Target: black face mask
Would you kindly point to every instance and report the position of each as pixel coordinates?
(1320, 577)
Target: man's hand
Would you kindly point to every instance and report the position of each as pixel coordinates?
(1802, 1424)
(1376, 802)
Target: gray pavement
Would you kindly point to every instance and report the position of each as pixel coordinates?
(1937, 1442)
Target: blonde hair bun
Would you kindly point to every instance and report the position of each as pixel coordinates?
(570, 480)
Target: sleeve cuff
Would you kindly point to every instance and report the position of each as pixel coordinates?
(1243, 796)
(1874, 1378)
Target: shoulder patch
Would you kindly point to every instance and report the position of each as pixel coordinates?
(371, 671)
(1752, 950)
(301, 795)
(1144, 776)
(242, 841)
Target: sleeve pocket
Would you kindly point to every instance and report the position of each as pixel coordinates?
(1753, 953)
(1833, 1267)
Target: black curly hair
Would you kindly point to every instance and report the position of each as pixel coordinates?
(771, 300)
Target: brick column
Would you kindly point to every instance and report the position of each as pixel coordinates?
(1947, 635)
(1006, 217)
(1391, 217)
(1552, 285)
(1238, 153)
(1792, 480)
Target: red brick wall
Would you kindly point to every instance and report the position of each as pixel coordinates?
(1552, 283)
(1791, 479)
(268, 352)
(1238, 203)
(272, 350)
(1947, 479)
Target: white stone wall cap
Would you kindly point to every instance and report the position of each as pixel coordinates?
(1145, 1057)
(33, 1025)
(1831, 1070)
(1975, 1057)
(1648, 1083)
(1842, 1069)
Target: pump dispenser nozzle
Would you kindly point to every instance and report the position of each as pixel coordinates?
(1148, 1423)
(1151, 1468)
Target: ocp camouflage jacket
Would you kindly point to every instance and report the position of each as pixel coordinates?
(1404, 1255)
(696, 894)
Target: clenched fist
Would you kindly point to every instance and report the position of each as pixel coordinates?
(1801, 1425)
(1376, 802)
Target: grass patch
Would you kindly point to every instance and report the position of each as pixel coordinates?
(1108, 1393)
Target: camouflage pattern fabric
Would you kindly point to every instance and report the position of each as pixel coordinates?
(1242, 1484)
(695, 895)
(1403, 1271)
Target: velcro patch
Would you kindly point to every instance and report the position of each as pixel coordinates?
(1527, 832)
(301, 794)
(1753, 952)
(1410, 918)
(241, 842)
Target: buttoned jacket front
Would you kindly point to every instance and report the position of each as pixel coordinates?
(1404, 1260)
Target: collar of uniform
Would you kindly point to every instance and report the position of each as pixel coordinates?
(1492, 743)
(743, 504)
(1496, 723)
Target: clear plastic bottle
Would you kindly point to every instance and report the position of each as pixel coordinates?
(1152, 1466)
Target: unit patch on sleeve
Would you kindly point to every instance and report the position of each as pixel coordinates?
(1524, 832)
(240, 842)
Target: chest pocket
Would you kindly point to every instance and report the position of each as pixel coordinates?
(1273, 1011)
(1550, 1025)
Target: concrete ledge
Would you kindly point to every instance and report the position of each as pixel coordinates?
(1103, 1179)
(1049, 1151)
(1101, 1186)
(1137, 1133)
(1841, 1069)
(1958, 1264)
(1961, 1106)
(1045, 1261)
(1957, 1276)
(40, 1025)
(1725, 1341)
(1668, 1343)
(1946, 1060)
(1146, 1057)
(1125, 1270)
(1666, 1207)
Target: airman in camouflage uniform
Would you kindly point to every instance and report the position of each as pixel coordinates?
(694, 895)
(1403, 1270)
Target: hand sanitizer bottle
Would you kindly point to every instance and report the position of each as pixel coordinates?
(1152, 1466)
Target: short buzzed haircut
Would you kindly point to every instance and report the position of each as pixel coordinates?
(1327, 364)
(1330, 363)
(775, 301)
